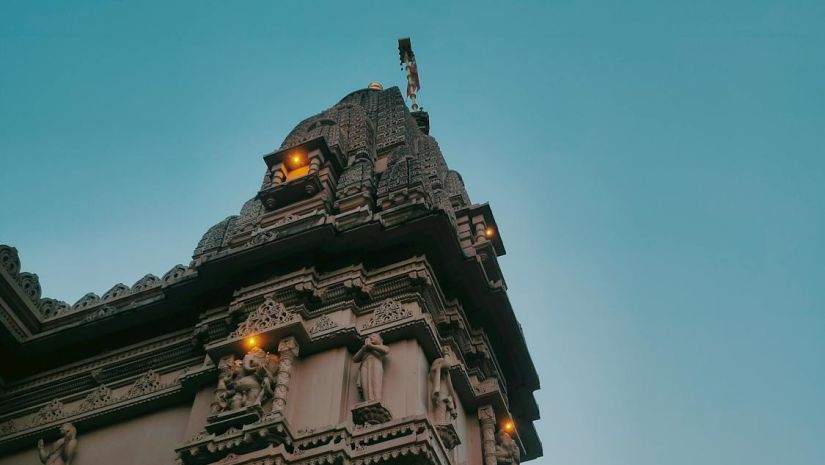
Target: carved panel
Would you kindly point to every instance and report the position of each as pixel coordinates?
(268, 315)
(50, 412)
(100, 397)
(147, 383)
(324, 323)
(389, 311)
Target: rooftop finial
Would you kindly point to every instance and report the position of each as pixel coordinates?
(407, 56)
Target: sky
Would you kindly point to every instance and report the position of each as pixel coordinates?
(656, 170)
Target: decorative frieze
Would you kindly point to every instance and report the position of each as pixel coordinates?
(324, 323)
(7, 427)
(268, 315)
(98, 398)
(149, 382)
(389, 311)
(50, 412)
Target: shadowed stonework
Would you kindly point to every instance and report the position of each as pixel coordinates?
(353, 312)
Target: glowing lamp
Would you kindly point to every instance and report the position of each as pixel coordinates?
(509, 427)
(296, 160)
(489, 232)
(250, 341)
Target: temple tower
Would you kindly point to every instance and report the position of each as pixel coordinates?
(353, 312)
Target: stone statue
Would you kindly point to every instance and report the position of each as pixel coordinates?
(245, 382)
(443, 403)
(223, 394)
(507, 451)
(371, 372)
(62, 450)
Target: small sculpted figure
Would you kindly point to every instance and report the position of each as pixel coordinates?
(245, 382)
(254, 382)
(440, 392)
(507, 451)
(371, 371)
(220, 402)
(62, 450)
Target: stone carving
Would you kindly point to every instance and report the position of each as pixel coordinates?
(104, 310)
(324, 323)
(370, 382)
(262, 237)
(174, 274)
(214, 237)
(200, 335)
(100, 397)
(226, 373)
(86, 301)
(51, 307)
(487, 419)
(147, 282)
(250, 213)
(30, 284)
(61, 451)
(9, 259)
(149, 382)
(7, 428)
(268, 315)
(371, 371)
(287, 352)
(246, 382)
(443, 402)
(50, 412)
(370, 413)
(389, 311)
(507, 451)
(118, 290)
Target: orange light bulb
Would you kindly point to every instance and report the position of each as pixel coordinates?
(509, 427)
(251, 342)
(489, 232)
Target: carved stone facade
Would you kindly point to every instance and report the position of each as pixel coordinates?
(353, 312)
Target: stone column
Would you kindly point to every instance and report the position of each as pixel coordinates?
(314, 164)
(278, 175)
(287, 353)
(487, 418)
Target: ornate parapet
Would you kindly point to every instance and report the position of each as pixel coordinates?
(102, 405)
(409, 441)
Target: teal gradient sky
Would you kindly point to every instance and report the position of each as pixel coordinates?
(657, 170)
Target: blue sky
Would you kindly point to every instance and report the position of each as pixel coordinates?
(656, 170)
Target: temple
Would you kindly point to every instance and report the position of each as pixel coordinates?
(353, 312)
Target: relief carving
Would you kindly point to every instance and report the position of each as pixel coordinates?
(389, 311)
(287, 352)
(48, 413)
(246, 382)
(507, 451)
(442, 402)
(268, 315)
(61, 451)
(100, 397)
(149, 382)
(7, 428)
(324, 323)
(487, 419)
